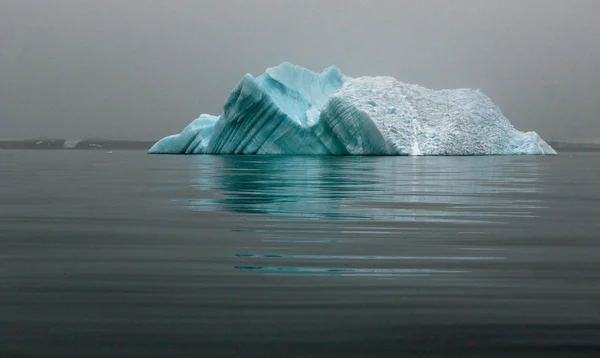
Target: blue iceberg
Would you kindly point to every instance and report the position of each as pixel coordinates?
(292, 110)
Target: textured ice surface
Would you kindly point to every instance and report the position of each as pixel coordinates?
(292, 110)
(192, 140)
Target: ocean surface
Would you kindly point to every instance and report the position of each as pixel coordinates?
(126, 254)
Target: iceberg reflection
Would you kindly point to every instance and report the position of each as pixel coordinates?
(420, 189)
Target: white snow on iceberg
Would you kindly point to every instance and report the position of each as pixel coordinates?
(292, 110)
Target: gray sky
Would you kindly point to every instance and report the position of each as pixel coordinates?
(143, 69)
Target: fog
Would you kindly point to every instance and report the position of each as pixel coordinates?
(141, 69)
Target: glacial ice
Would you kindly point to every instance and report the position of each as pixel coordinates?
(292, 110)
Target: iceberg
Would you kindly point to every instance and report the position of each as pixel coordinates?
(292, 110)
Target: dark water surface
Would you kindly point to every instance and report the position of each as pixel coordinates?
(125, 254)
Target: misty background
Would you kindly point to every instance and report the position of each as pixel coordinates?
(142, 69)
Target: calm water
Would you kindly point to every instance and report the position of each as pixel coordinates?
(128, 254)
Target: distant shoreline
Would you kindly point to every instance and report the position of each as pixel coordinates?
(575, 147)
(85, 144)
(110, 144)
